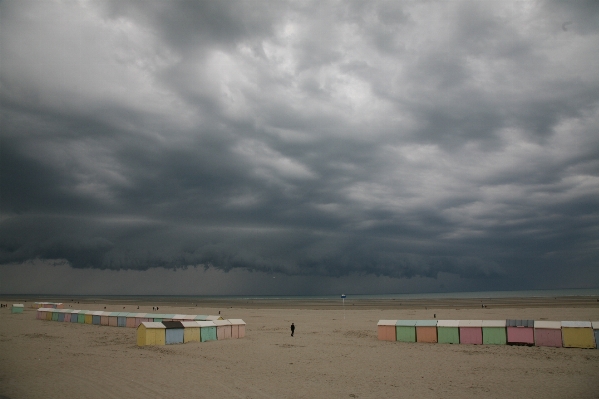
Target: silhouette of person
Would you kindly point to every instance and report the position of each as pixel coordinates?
(292, 329)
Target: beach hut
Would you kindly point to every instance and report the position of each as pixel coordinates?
(200, 317)
(494, 332)
(405, 330)
(548, 333)
(238, 328)
(520, 332)
(121, 319)
(151, 333)
(448, 332)
(89, 317)
(578, 334)
(97, 317)
(178, 317)
(207, 330)
(61, 314)
(471, 332)
(595, 325)
(223, 329)
(105, 319)
(67, 315)
(386, 330)
(191, 332)
(174, 332)
(140, 318)
(426, 331)
(213, 318)
(131, 320)
(55, 313)
(81, 316)
(17, 308)
(75, 316)
(113, 319)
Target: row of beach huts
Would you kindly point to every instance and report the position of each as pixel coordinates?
(154, 328)
(568, 334)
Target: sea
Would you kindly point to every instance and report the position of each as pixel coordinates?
(581, 292)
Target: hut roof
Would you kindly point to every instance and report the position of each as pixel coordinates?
(172, 324)
(426, 323)
(178, 317)
(152, 324)
(406, 323)
(222, 322)
(200, 317)
(239, 322)
(190, 324)
(214, 318)
(554, 325)
(577, 324)
(520, 323)
(470, 323)
(595, 325)
(448, 323)
(205, 323)
(188, 317)
(122, 314)
(18, 305)
(386, 322)
(494, 323)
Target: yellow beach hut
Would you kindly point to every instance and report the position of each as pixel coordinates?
(578, 334)
(151, 333)
(191, 331)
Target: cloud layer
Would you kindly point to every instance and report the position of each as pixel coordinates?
(329, 139)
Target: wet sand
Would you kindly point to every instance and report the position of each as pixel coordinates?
(334, 353)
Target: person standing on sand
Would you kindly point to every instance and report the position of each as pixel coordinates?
(292, 329)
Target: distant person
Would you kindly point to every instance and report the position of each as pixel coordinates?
(292, 329)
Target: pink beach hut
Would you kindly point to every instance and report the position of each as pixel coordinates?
(141, 318)
(113, 319)
(386, 330)
(237, 328)
(105, 319)
(41, 313)
(520, 332)
(223, 329)
(67, 316)
(471, 332)
(548, 333)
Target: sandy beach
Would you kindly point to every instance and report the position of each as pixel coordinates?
(334, 354)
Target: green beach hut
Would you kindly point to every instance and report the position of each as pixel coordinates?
(448, 332)
(494, 332)
(405, 330)
(207, 330)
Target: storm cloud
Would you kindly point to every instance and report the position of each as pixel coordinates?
(324, 139)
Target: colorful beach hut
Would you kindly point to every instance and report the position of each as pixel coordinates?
(75, 316)
(151, 333)
(81, 316)
(55, 313)
(113, 319)
(386, 330)
(238, 328)
(200, 317)
(578, 334)
(471, 332)
(140, 318)
(207, 330)
(223, 329)
(448, 332)
(494, 332)
(405, 330)
(17, 308)
(67, 315)
(97, 317)
(61, 314)
(520, 332)
(426, 331)
(121, 319)
(595, 325)
(191, 331)
(132, 320)
(548, 333)
(105, 319)
(174, 332)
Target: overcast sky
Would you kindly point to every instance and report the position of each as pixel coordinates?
(303, 147)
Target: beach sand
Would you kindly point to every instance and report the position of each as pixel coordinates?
(334, 354)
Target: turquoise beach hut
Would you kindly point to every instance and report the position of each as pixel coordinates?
(207, 330)
(17, 308)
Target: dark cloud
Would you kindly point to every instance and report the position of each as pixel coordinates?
(322, 140)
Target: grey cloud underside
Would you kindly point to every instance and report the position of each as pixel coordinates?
(387, 138)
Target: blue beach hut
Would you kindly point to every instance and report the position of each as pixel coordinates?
(175, 332)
